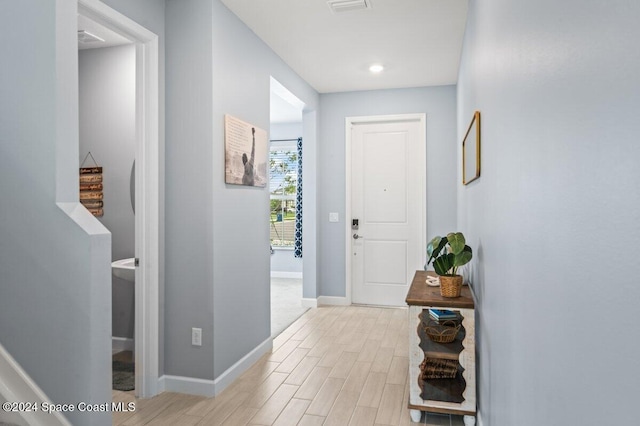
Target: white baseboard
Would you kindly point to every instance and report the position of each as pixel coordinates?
(285, 274)
(119, 344)
(242, 365)
(333, 300)
(189, 385)
(309, 303)
(209, 388)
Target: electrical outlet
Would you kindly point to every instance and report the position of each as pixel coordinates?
(196, 336)
(333, 217)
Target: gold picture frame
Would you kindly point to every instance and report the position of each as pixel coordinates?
(471, 151)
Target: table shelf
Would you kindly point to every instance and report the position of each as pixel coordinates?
(439, 350)
(456, 395)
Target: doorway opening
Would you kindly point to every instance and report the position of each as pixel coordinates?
(107, 140)
(144, 176)
(286, 204)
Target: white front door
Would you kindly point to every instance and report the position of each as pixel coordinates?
(388, 196)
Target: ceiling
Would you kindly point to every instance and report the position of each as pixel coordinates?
(418, 42)
(110, 38)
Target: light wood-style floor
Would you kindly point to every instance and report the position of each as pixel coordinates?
(333, 366)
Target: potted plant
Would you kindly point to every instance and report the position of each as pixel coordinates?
(448, 253)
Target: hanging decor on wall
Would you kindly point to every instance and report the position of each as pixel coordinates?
(471, 151)
(245, 153)
(91, 187)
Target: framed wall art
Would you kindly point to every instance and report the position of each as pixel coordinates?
(245, 153)
(471, 151)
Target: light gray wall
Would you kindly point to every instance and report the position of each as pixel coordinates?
(283, 260)
(242, 67)
(107, 101)
(217, 240)
(55, 304)
(439, 104)
(285, 130)
(189, 192)
(556, 209)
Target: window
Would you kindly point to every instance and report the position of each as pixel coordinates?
(283, 186)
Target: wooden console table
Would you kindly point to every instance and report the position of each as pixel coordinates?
(451, 395)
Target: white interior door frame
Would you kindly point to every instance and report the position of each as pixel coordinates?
(147, 186)
(354, 121)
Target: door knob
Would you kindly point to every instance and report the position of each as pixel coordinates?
(356, 236)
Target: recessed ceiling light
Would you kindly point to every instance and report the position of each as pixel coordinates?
(376, 68)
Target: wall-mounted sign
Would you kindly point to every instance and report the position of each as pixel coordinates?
(91, 189)
(90, 178)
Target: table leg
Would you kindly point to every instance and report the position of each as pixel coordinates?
(469, 420)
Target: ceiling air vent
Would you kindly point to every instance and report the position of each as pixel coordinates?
(87, 37)
(338, 6)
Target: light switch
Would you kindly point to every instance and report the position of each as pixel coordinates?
(333, 217)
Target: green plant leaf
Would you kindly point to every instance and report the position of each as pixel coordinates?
(463, 257)
(456, 242)
(435, 246)
(443, 264)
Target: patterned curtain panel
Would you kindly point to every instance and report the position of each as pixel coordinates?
(297, 248)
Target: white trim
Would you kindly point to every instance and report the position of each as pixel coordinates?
(119, 344)
(286, 274)
(349, 123)
(334, 301)
(188, 385)
(17, 386)
(209, 388)
(147, 182)
(242, 365)
(309, 303)
(282, 248)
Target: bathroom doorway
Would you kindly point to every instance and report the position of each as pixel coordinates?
(107, 140)
(141, 46)
(286, 204)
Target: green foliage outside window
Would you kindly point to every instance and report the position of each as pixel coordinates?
(283, 165)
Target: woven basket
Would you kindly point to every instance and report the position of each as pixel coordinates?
(450, 286)
(433, 368)
(442, 332)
